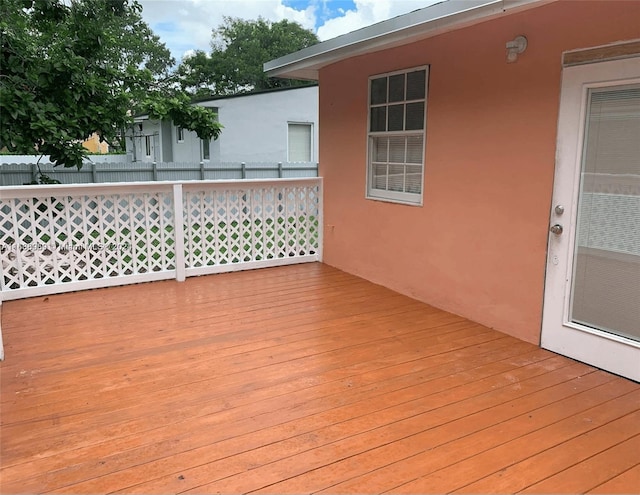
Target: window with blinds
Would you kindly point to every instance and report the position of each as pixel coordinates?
(300, 143)
(397, 111)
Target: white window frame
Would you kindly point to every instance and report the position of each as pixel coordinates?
(180, 134)
(408, 198)
(311, 142)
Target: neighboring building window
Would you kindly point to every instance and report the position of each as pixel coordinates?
(206, 152)
(397, 111)
(300, 143)
(180, 134)
(147, 145)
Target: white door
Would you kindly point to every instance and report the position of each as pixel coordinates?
(592, 288)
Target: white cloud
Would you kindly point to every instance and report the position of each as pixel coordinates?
(186, 25)
(368, 12)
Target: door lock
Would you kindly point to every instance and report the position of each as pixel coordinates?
(556, 229)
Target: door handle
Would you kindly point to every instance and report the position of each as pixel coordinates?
(556, 229)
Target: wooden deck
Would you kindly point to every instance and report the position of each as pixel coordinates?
(295, 380)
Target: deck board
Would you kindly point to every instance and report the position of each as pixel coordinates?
(295, 380)
(621, 483)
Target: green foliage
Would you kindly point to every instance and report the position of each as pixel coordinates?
(71, 69)
(179, 108)
(239, 50)
(42, 179)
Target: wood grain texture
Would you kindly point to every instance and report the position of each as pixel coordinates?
(296, 379)
(602, 53)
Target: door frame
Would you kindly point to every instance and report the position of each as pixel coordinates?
(601, 349)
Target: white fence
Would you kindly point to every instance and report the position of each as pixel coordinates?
(15, 174)
(64, 238)
(94, 157)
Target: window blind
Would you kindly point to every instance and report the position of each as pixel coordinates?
(606, 278)
(299, 143)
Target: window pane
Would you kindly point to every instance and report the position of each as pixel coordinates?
(396, 118)
(415, 116)
(416, 84)
(606, 284)
(379, 90)
(205, 149)
(413, 179)
(396, 149)
(378, 119)
(414, 149)
(396, 88)
(380, 148)
(299, 143)
(396, 178)
(379, 177)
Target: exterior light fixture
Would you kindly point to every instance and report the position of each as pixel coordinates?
(515, 48)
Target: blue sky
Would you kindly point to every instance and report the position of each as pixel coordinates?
(186, 25)
(329, 10)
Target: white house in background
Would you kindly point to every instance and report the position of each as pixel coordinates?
(279, 125)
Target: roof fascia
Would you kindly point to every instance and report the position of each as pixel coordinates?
(207, 99)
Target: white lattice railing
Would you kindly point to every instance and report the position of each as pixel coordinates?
(64, 238)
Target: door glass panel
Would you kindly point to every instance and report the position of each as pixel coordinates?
(606, 275)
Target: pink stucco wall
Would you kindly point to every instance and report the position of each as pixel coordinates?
(478, 245)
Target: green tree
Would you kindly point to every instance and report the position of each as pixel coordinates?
(239, 50)
(73, 68)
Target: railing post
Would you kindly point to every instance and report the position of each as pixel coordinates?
(94, 173)
(244, 170)
(178, 213)
(201, 169)
(1, 341)
(279, 170)
(34, 172)
(155, 171)
(320, 219)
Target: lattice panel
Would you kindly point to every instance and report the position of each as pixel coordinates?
(230, 226)
(65, 239)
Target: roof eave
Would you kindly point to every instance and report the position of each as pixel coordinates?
(401, 30)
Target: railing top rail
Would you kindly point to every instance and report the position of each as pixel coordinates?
(156, 186)
(244, 183)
